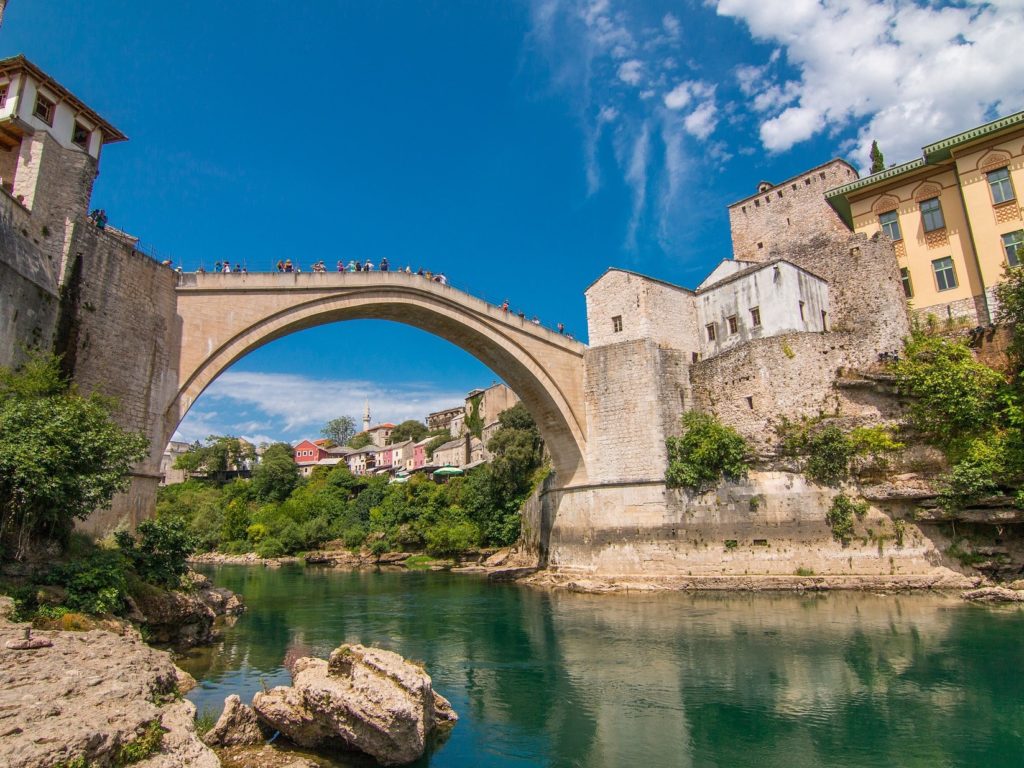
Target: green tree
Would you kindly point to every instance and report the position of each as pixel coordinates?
(340, 430)
(360, 440)
(877, 158)
(61, 455)
(1010, 295)
(219, 454)
(408, 430)
(706, 452)
(954, 396)
(276, 476)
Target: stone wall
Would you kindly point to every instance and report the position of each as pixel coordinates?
(635, 392)
(648, 308)
(767, 224)
(118, 334)
(28, 287)
(771, 525)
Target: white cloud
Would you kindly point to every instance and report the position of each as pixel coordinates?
(290, 406)
(592, 47)
(678, 97)
(702, 121)
(901, 72)
(630, 71)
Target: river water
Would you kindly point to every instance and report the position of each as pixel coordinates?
(560, 679)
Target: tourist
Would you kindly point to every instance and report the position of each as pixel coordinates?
(245, 270)
(522, 315)
(288, 266)
(408, 269)
(561, 328)
(442, 279)
(238, 267)
(420, 271)
(368, 266)
(535, 320)
(101, 219)
(504, 305)
(201, 270)
(227, 267)
(280, 266)
(352, 266)
(217, 267)
(384, 266)
(341, 266)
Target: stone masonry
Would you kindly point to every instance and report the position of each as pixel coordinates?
(782, 215)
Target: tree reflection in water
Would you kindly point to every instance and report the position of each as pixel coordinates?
(560, 679)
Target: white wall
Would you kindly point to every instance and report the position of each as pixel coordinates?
(63, 119)
(776, 290)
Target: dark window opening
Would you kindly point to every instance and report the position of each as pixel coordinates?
(908, 287)
(80, 135)
(750, 402)
(734, 325)
(617, 324)
(44, 109)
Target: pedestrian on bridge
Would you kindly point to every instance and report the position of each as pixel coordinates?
(368, 266)
(384, 266)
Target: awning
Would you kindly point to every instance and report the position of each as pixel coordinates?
(445, 471)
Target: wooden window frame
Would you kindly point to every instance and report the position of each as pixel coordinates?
(952, 269)
(75, 127)
(1003, 182)
(51, 110)
(755, 317)
(928, 216)
(711, 332)
(888, 225)
(733, 323)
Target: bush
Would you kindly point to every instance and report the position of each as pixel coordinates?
(829, 453)
(707, 452)
(874, 441)
(160, 556)
(270, 547)
(976, 475)
(96, 583)
(841, 514)
(451, 537)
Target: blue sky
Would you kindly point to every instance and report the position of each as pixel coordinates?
(521, 147)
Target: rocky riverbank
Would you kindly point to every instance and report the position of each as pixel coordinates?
(97, 697)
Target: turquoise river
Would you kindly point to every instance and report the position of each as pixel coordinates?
(647, 680)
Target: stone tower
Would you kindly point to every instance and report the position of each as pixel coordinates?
(366, 417)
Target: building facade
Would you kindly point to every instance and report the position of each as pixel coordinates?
(953, 216)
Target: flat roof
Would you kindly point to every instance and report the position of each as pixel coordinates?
(19, 63)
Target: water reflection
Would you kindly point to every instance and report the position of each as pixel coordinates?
(654, 680)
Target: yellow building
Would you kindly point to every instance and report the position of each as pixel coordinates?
(953, 215)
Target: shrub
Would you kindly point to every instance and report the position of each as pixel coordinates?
(900, 529)
(841, 514)
(976, 475)
(270, 547)
(829, 452)
(451, 537)
(706, 452)
(95, 584)
(873, 441)
(160, 556)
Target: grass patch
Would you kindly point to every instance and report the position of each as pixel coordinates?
(419, 562)
(144, 746)
(206, 718)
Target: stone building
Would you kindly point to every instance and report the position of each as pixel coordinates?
(780, 215)
(169, 474)
(952, 214)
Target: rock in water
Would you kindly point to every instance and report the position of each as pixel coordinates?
(365, 699)
(236, 726)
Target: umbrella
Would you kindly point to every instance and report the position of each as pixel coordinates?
(444, 471)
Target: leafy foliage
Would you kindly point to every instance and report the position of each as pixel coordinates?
(706, 452)
(411, 429)
(1010, 296)
(340, 430)
(954, 396)
(160, 555)
(841, 514)
(277, 475)
(474, 421)
(829, 453)
(61, 455)
(360, 440)
(277, 513)
(216, 456)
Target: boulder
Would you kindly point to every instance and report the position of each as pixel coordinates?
(994, 595)
(236, 726)
(175, 618)
(365, 699)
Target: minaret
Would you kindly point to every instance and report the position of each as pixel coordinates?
(366, 417)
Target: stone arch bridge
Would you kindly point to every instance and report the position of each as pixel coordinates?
(222, 317)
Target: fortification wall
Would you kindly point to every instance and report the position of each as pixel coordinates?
(635, 392)
(119, 335)
(768, 224)
(770, 525)
(28, 288)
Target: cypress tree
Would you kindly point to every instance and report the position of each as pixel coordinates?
(877, 160)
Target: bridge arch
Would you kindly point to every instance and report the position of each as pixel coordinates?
(223, 317)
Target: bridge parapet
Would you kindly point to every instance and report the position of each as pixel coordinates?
(258, 282)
